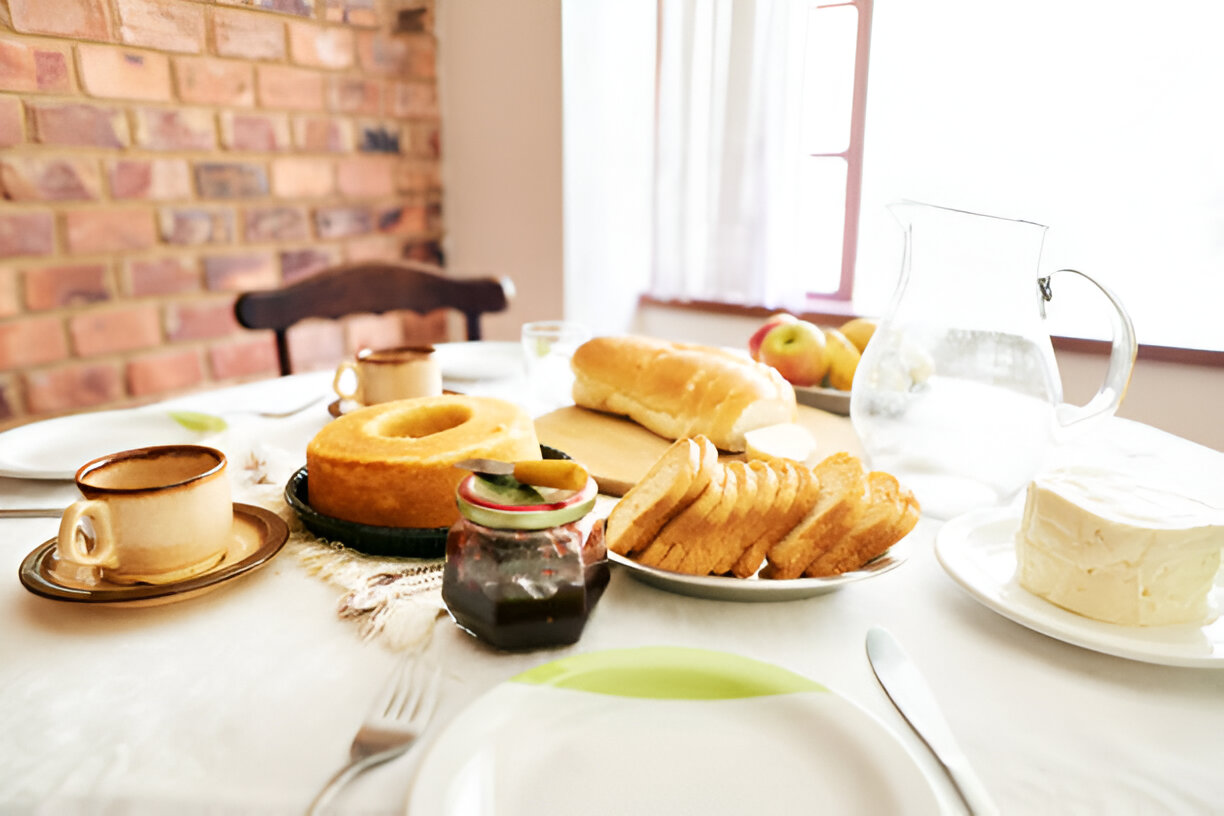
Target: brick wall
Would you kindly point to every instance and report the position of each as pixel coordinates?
(159, 156)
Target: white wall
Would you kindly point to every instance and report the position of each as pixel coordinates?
(499, 82)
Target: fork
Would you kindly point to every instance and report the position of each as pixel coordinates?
(396, 718)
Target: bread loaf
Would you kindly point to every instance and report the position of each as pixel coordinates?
(680, 390)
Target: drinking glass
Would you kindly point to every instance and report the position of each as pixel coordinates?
(547, 348)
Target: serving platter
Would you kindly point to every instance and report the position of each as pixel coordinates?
(706, 732)
(833, 400)
(757, 589)
(977, 551)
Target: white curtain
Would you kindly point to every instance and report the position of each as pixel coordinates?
(721, 190)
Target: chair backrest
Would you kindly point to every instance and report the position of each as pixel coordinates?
(370, 287)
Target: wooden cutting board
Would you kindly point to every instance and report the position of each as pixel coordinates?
(618, 451)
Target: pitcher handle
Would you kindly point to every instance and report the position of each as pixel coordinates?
(1121, 358)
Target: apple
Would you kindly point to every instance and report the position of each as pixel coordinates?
(843, 359)
(796, 348)
(754, 342)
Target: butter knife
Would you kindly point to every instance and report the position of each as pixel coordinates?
(913, 698)
(32, 512)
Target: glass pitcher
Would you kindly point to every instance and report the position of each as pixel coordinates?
(958, 393)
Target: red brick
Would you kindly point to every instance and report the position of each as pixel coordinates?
(378, 53)
(315, 344)
(162, 276)
(343, 222)
(421, 138)
(183, 129)
(366, 176)
(404, 219)
(231, 180)
(196, 226)
(27, 233)
(10, 303)
(26, 178)
(12, 123)
(208, 81)
(321, 46)
(302, 8)
(276, 224)
(302, 177)
(72, 387)
(298, 264)
(150, 179)
(99, 331)
(238, 273)
(254, 131)
(161, 25)
(32, 341)
(197, 320)
(412, 99)
(293, 88)
(354, 12)
(83, 125)
(112, 230)
(248, 35)
(373, 248)
(373, 331)
(27, 67)
(52, 287)
(123, 73)
(322, 135)
(245, 358)
(354, 95)
(164, 372)
(417, 177)
(76, 19)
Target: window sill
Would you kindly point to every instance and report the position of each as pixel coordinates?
(839, 311)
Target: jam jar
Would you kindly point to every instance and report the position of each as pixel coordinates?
(519, 572)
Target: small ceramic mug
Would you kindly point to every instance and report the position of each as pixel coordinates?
(390, 374)
(157, 514)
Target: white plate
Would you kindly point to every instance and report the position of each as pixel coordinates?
(56, 448)
(976, 549)
(722, 588)
(482, 360)
(661, 730)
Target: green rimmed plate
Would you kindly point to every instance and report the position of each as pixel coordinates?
(665, 730)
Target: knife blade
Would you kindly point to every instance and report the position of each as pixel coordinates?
(32, 512)
(911, 695)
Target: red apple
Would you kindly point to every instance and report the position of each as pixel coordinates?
(754, 342)
(797, 350)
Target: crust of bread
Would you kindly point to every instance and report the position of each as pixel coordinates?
(644, 509)
(725, 525)
(835, 511)
(681, 389)
(890, 514)
(787, 511)
(708, 470)
(766, 484)
(692, 531)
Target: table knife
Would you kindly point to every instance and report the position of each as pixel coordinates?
(913, 698)
(32, 512)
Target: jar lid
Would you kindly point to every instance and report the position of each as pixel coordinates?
(502, 507)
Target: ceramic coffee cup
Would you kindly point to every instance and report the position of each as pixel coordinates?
(390, 374)
(157, 514)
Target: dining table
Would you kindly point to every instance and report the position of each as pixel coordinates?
(243, 699)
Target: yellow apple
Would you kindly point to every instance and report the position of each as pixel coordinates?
(859, 331)
(843, 357)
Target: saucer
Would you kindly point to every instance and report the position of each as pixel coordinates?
(258, 534)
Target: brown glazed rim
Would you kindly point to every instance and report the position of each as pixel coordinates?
(146, 453)
(374, 355)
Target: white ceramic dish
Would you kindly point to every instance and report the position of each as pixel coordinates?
(484, 360)
(56, 448)
(826, 399)
(976, 549)
(665, 730)
(754, 589)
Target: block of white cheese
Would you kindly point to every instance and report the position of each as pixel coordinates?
(1112, 548)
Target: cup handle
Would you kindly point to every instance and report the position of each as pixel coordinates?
(346, 366)
(70, 535)
(1121, 358)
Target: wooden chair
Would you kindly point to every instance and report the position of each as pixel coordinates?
(370, 287)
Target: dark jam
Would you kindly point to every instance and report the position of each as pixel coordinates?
(523, 589)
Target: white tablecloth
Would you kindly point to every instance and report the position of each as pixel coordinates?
(244, 700)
